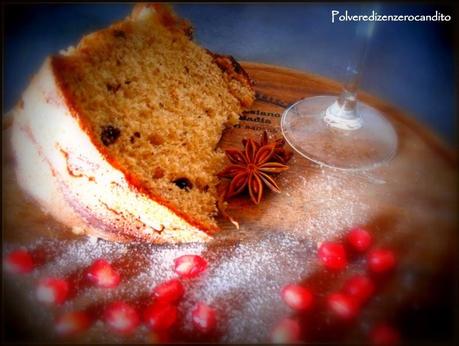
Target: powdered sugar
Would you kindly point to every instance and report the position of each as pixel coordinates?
(276, 245)
(243, 279)
(244, 285)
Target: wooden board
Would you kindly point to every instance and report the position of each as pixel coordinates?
(409, 204)
(423, 170)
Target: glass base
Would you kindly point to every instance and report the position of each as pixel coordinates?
(369, 145)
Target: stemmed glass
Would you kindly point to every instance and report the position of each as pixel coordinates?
(341, 132)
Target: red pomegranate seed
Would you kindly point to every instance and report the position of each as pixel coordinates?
(160, 316)
(286, 331)
(384, 334)
(204, 318)
(102, 274)
(333, 255)
(297, 297)
(360, 239)
(360, 287)
(121, 317)
(170, 291)
(19, 262)
(72, 323)
(343, 306)
(188, 266)
(381, 260)
(52, 290)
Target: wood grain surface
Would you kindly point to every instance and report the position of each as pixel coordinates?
(409, 203)
(423, 170)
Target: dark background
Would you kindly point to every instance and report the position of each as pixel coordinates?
(410, 64)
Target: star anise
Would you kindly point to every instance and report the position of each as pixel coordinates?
(253, 167)
(280, 154)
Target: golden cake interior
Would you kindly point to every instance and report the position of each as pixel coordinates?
(156, 103)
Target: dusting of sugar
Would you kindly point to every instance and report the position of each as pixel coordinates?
(243, 283)
(45, 294)
(243, 278)
(321, 205)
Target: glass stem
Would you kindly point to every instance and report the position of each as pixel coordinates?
(347, 100)
(343, 113)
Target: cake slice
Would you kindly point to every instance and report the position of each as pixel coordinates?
(118, 137)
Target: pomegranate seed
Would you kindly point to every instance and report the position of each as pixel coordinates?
(19, 262)
(72, 323)
(297, 297)
(170, 291)
(204, 317)
(360, 287)
(333, 255)
(286, 331)
(342, 305)
(52, 291)
(121, 317)
(384, 334)
(160, 316)
(188, 266)
(360, 239)
(102, 274)
(381, 260)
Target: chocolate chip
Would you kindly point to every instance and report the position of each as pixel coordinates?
(183, 183)
(109, 134)
(113, 87)
(137, 134)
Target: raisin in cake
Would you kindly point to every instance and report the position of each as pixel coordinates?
(118, 136)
